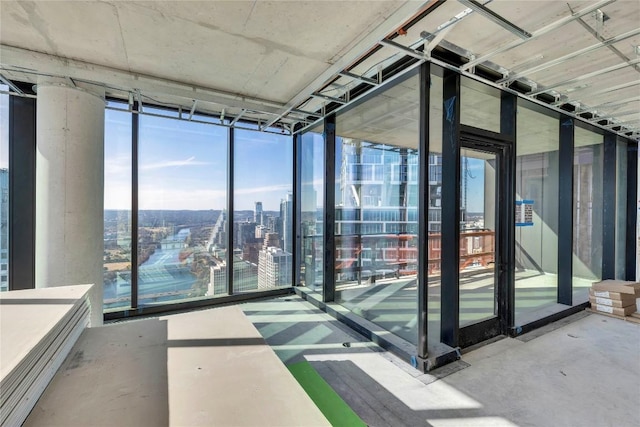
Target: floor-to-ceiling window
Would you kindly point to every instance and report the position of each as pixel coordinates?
(182, 173)
(587, 211)
(263, 211)
(117, 206)
(312, 208)
(536, 234)
(182, 197)
(4, 189)
(377, 208)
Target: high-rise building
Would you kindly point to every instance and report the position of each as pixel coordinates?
(377, 210)
(244, 277)
(286, 221)
(218, 238)
(244, 232)
(258, 216)
(274, 268)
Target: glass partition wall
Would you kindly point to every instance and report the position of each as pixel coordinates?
(377, 206)
(587, 211)
(171, 185)
(505, 145)
(536, 241)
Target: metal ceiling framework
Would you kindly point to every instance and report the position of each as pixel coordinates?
(603, 115)
(344, 86)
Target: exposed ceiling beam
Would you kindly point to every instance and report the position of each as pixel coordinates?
(329, 98)
(536, 34)
(600, 92)
(13, 59)
(571, 55)
(615, 116)
(610, 104)
(363, 79)
(399, 17)
(595, 34)
(403, 49)
(495, 18)
(630, 122)
(584, 77)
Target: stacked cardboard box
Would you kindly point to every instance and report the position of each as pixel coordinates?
(614, 297)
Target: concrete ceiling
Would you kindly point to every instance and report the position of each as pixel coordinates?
(246, 54)
(260, 59)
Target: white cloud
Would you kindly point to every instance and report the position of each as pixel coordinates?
(283, 188)
(191, 161)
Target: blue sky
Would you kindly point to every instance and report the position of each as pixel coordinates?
(183, 165)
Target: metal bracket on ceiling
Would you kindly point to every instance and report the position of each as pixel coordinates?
(329, 98)
(9, 83)
(138, 95)
(193, 109)
(585, 77)
(495, 18)
(306, 113)
(572, 55)
(627, 123)
(601, 18)
(610, 104)
(431, 40)
(538, 33)
(615, 116)
(363, 79)
(612, 89)
(403, 49)
(222, 115)
(236, 118)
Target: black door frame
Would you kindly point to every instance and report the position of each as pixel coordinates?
(502, 148)
(502, 145)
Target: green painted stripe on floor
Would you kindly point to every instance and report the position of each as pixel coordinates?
(326, 399)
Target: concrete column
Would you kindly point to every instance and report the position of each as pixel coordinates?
(70, 188)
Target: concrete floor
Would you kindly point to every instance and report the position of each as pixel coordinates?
(582, 371)
(392, 303)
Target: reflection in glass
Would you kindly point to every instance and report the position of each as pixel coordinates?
(263, 209)
(117, 209)
(480, 105)
(376, 208)
(182, 222)
(434, 225)
(621, 210)
(477, 236)
(537, 183)
(587, 212)
(4, 190)
(312, 209)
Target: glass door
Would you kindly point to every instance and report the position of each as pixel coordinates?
(479, 266)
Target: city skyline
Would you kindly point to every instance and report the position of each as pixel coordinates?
(183, 165)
